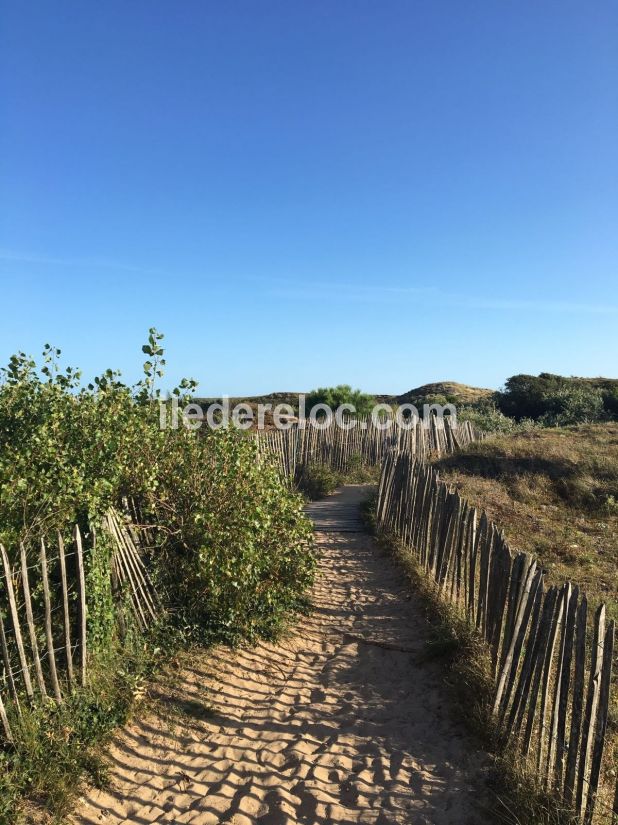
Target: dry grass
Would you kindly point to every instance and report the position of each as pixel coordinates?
(554, 492)
(460, 393)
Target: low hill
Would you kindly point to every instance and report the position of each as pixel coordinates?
(454, 393)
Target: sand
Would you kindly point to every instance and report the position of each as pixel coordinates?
(338, 722)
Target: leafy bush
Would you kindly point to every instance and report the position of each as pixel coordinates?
(610, 402)
(358, 472)
(67, 454)
(487, 417)
(238, 556)
(334, 397)
(573, 404)
(557, 401)
(319, 480)
(233, 555)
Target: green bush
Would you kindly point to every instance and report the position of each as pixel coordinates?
(610, 402)
(239, 554)
(228, 525)
(318, 480)
(233, 555)
(334, 397)
(488, 418)
(573, 404)
(358, 472)
(555, 400)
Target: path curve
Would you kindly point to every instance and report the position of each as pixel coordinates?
(336, 723)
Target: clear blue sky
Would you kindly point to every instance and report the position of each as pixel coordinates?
(380, 193)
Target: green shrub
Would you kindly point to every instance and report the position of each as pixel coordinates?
(555, 400)
(233, 555)
(358, 472)
(319, 480)
(610, 402)
(573, 404)
(334, 397)
(488, 418)
(233, 535)
(239, 555)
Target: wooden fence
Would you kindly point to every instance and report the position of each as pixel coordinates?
(552, 676)
(363, 440)
(44, 614)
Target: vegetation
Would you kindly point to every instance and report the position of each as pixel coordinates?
(56, 745)
(444, 392)
(525, 401)
(233, 555)
(486, 416)
(335, 397)
(557, 401)
(318, 480)
(554, 492)
(456, 646)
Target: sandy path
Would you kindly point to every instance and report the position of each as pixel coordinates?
(334, 724)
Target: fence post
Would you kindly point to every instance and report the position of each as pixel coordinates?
(81, 591)
(23, 663)
(48, 626)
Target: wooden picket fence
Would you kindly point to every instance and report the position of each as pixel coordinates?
(552, 677)
(364, 439)
(44, 614)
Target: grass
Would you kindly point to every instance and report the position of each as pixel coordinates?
(59, 747)
(458, 393)
(554, 492)
(318, 480)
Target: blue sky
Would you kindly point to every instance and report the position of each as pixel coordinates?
(307, 193)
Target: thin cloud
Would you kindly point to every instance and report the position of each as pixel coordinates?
(430, 296)
(47, 260)
(541, 306)
(280, 287)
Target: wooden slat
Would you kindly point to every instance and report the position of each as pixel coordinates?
(82, 607)
(500, 585)
(6, 660)
(547, 676)
(68, 652)
(577, 701)
(8, 734)
(519, 569)
(49, 636)
(34, 647)
(592, 703)
(140, 576)
(544, 640)
(523, 608)
(23, 663)
(601, 722)
(531, 608)
(558, 745)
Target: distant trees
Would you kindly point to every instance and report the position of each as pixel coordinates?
(334, 397)
(555, 400)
